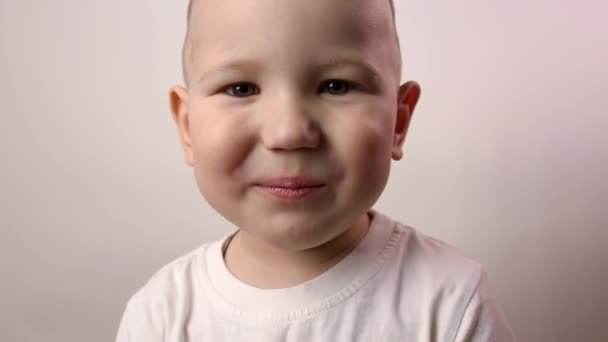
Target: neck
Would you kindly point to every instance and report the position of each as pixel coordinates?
(277, 268)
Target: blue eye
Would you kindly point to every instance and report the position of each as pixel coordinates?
(241, 89)
(337, 87)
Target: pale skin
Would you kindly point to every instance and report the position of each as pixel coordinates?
(297, 89)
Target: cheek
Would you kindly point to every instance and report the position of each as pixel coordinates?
(219, 142)
(365, 148)
(221, 145)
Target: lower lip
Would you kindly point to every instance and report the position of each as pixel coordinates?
(291, 194)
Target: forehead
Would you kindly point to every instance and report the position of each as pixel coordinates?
(294, 29)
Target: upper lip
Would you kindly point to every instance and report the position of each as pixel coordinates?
(290, 182)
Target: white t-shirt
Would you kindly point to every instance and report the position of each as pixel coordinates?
(396, 285)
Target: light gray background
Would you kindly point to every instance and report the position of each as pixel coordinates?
(506, 157)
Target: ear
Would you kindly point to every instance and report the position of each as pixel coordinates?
(179, 107)
(409, 93)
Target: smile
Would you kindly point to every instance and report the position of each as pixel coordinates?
(290, 188)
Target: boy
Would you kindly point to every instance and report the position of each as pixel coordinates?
(296, 163)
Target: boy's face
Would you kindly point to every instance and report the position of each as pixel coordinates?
(293, 113)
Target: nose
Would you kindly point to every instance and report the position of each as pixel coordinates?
(289, 126)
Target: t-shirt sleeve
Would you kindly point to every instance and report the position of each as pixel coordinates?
(483, 319)
(123, 329)
(140, 323)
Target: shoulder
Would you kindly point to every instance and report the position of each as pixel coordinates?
(432, 260)
(429, 272)
(449, 288)
(167, 292)
(171, 279)
(438, 266)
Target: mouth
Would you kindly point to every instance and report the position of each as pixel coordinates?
(290, 188)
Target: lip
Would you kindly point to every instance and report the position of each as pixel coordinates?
(290, 188)
(290, 182)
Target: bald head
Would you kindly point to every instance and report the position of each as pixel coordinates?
(188, 49)
(391, 2)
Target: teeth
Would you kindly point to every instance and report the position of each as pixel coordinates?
(287, 189)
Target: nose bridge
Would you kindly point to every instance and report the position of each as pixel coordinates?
(289, 124)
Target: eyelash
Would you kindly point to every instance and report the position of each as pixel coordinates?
(349, 85)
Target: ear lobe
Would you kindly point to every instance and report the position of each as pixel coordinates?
(409, 93)
(178, 98)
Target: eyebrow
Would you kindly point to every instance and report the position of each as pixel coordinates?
(330, 63)
(237, 65)
(345, 62)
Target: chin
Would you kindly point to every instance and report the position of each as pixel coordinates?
(301, 233)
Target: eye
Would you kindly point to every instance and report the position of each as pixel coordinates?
(242, 89)
(336, 87)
